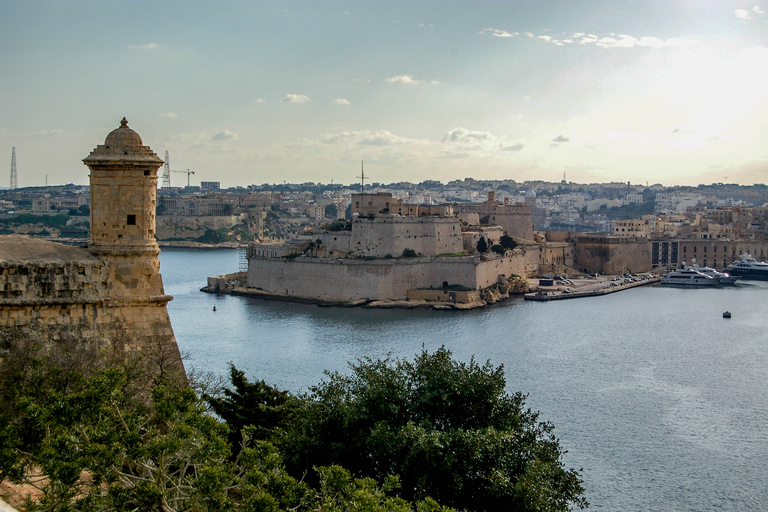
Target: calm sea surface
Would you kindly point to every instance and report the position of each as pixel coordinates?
(661, 401)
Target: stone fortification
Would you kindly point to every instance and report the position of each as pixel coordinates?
(516, 219)
(612, 255)
(326, 279)
(111, 291)
(390, 235)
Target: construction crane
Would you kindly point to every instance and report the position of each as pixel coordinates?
(188, 172)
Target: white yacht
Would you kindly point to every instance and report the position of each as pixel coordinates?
(749, 268)
(709, 271)
(689, 277)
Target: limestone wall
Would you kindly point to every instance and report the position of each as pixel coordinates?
(380, 279)
(607, 255)
(391, 235)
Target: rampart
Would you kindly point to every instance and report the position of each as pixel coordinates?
(390, 235)
(49, 287)
(610, 255)
(326, 279)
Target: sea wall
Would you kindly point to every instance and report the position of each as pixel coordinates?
(378, 279)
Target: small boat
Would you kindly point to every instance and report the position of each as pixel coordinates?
(727, 314)
(214, 309)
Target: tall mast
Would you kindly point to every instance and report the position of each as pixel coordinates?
(362, 178)
(14, 178)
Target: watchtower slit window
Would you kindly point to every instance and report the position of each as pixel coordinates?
(131, 220)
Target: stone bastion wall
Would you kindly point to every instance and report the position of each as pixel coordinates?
(377, 279)
(59, 290)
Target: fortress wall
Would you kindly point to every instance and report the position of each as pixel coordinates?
(391, 235)
(380, 279)
(612, 256)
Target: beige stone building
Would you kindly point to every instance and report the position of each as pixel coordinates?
(111, 291)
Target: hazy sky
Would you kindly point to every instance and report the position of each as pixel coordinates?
(253, 92)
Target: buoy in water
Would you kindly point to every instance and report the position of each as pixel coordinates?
(214, 309)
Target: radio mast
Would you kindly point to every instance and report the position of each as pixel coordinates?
(166, 172)
(14, 178)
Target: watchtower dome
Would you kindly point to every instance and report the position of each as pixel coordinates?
(123, 193)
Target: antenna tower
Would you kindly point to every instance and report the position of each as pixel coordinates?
(166, 172)
(362, 178)
(14, 178)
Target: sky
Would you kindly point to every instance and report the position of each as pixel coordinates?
(251, 92)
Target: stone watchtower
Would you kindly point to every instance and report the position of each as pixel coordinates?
(123, 199)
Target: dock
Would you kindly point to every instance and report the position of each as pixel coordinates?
(591, 290)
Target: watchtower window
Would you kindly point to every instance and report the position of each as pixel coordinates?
(131, 221)
(146, 173)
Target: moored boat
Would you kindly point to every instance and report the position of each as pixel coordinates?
(749, 268)
(724, 277)
(688, 277)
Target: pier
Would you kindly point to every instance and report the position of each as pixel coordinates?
(595, 288)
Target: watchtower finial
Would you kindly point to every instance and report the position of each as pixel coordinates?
(124, 122)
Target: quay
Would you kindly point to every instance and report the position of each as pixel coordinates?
(590, 288)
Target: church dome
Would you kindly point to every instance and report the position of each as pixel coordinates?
(530, 193)
(123, 137)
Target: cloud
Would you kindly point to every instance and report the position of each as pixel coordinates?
(609, 41)
(498, 33)
(55, 132)
(757, 10)
(403, 80)
(260, 100)
(512, 147)
(295, 98)
(148, 46)
(423, 25)
(561, 138)
(340, 101)
(169, 115)
(469, 137)
(367, 138)
(742, 14)
(225, 135)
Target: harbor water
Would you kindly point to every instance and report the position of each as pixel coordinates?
(659, 400)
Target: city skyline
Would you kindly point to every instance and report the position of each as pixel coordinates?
(669, 92)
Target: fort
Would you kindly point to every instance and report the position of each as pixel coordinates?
(391, 251)
(110, 292)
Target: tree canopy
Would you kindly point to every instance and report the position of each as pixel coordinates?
(92, 434)
(447, 428)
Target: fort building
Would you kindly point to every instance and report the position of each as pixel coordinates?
(110, 291)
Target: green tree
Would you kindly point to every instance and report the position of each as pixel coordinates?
(255, 404)
(448, 429)
(482, 245)
(498, 249)
(507, 242)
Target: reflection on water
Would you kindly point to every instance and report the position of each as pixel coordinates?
(657, 397)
